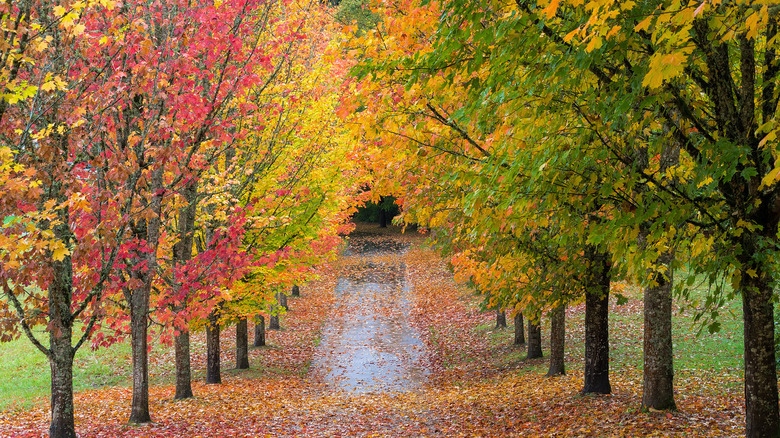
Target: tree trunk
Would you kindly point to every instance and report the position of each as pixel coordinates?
(182, 253)
(147, 230)
(557, 341)
(382, 217)
(500, 319)
(597, 323)
(761, 398)
(61, 352)
(658, 388)
(183, 367)
(273, 323)
(139, 309)
(519, 332)
(242, 345)
(534, 347)
(281, 298)
(213, 372)
(259, 331)
(296, 291)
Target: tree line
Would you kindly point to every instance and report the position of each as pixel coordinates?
(556, 147)
(166, 166)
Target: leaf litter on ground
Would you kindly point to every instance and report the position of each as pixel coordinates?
(477, 383)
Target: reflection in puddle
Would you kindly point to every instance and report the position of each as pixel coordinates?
(368, 345)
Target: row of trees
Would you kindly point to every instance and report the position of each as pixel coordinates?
(164, 164)
(556, 147)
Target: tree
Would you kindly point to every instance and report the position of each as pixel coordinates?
(557, 341)
(82, 187)
(242, 344)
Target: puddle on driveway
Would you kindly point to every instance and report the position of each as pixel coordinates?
(368, 344)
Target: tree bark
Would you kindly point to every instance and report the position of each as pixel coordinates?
(61, 364)
(182, 254)
(139, 309)
(273, 323)
(242, 345)
(597, 323)
(761, 398)
(61, 351)
(259, 331)
(147, 230)
(500, 319)
(213, 372)
(658, 387)
(183, 366)
(534, 347)
(557, 342)
(519, 329)
(281, 298)
(296, 291)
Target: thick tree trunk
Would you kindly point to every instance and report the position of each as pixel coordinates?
(183, 366)
(557, 341)
(519, 329)
(242, 345)
(273, 323)
(658, 388)
(61, 352)
(213, 371)
(382, 218)
(259, 331)
(761, 398)
(296, 291)
(597, 324)
(534, 347)
(500, 318)
(61, 364)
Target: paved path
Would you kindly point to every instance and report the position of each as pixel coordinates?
(368, 345)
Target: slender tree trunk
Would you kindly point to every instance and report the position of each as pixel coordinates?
(557, 341)
(597, 323)
(61, 352)
(281, 298)
(296, 291)
(182, 253)
(139, 309)
(259, 331)
(500, 318)
(138, 297)
(242, 345)
(658, 388)
(761, 398)
(273, 323)
(534, 348)
(213, 372)
(183, 366)
(519, 329)
(382, 214)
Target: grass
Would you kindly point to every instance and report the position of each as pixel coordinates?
(25, 377)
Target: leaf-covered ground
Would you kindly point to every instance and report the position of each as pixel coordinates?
(478, 384)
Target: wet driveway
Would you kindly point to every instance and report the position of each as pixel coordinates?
(368, 345)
